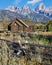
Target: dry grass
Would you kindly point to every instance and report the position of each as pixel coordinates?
(43, 33)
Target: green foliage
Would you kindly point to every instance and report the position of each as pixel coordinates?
(45, 41)
(39, 27)
(49, 25)
(27, 20)
(48, 22)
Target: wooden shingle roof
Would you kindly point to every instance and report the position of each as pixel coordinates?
(30, 23)
(22, 22)
(16, 23)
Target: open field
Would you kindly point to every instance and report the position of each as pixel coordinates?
(33, 37)
(30, 55)
(43, 33)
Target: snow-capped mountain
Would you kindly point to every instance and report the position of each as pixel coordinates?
(39, 14)
(25, 10)
(42, 9)
(48, 10)
(11, 8)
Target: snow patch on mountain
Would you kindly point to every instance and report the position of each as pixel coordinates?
(42, 9)
(41, 12)
(11, 8)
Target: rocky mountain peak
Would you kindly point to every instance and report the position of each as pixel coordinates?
(26, 12)
(11, 8)
(25, 7)
(41, 6)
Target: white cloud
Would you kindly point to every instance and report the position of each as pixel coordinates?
(33, 1)
(16, 2)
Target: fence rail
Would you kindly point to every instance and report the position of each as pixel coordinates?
(44, 56)
(32, 44)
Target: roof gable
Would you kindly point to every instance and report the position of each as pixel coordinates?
(15, 22)
(30, 23)
(22, 22)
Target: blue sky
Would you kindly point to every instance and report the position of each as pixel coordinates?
(20, 3)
